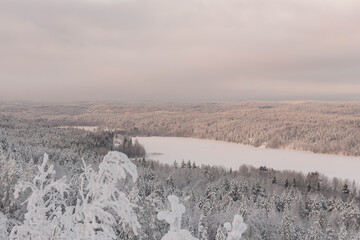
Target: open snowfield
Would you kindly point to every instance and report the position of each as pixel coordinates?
(169, 149)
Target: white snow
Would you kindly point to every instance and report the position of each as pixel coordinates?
(173, 217)
(101, 200)
(236, 229)
(99, 206)
(3, 226)
(43, 205)
(233, 155)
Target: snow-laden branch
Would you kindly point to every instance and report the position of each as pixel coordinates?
(236, 229)
(101, 204)
(100, 207)
(173, 217)
(44, 205)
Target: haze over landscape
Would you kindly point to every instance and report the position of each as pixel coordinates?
(139, 50)
(180, 119)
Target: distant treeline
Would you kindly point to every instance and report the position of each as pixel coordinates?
(311, 126)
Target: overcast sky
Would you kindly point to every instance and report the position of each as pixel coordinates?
(179, 50)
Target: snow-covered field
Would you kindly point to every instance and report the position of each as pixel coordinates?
(168, 149)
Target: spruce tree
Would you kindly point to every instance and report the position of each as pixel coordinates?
(315, 232)
(273, 181)
(287, 230)
(203, 229)
(329, 233)
(221, 233)
(343, 234)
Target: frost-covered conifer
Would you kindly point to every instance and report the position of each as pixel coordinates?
(152, 204)
(203, 229)
(102, 204)
(234, 192)
(10, 173)
(343, 234)
(3, 227)
(315, 232)
(243, 210)
(221, 233)
(173, 217)
(329, 233)
(236, 229)
(44, 205)
(170, 183)
(287, 226)
(351, 216)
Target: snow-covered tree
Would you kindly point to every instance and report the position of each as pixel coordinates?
(329, 233)
(343, 234)
(221, 233)
(236, 229)
(173, 217)
(287, 226)
(351, 216)
(10, 173)
(44, 205)
(3, 226)
(100, 207)
(151, 206)
(202, 229)
(315, 232)
(170, 183)
(102, 204)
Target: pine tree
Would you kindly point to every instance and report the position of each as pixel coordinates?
(183, 164)
(329, 233)
(345, 189)
(44, 205)
(10, 173)
(286, 183)
(236, 229)
(171, 185)
(3, 226)
(102, 205)
(188, 164)
(175, 165)
(194, 165)
(221, 233)
(234, 192)
(287, 226)
(155, 201)
(157, 194)
(315, 232)
(273, 181)
(203, 229)
(351, 216)
(173, 218)
(318, 188)
(153, 228)
(343, 234)
(243, 210)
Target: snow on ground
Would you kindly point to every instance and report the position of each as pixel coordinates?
(168, 149)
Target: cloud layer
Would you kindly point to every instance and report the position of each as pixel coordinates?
(169, 50)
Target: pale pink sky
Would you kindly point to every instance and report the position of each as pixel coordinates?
(170, 50)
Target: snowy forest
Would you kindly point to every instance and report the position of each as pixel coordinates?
(179, 120)
(68, 183)
(320, 127)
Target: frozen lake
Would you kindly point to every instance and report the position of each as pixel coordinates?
(169, 149)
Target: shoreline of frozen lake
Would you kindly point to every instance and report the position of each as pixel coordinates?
(233, 155)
